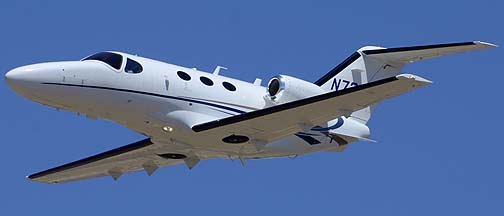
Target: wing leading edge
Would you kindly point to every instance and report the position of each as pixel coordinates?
(405, 55)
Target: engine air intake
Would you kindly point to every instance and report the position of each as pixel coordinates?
(273, 87)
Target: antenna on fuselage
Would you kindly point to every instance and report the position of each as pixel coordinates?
(218, 68)
(257, 82)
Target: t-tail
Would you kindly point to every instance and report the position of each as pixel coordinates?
(372, 63)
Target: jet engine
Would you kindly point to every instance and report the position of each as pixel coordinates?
(282, 89)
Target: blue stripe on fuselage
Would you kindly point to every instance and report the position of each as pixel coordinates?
(153, 94)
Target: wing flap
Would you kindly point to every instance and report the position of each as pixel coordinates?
(285, 119)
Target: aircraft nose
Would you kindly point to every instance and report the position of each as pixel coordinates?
(26, 78)
(14, 75)
(18, 78)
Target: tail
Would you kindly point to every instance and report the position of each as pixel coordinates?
(371, 63)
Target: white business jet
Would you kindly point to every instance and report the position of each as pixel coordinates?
(190, 115)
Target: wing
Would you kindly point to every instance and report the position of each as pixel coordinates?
(275, 122)
(405, 55)
(141, 155)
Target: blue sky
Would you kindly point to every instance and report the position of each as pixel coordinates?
(439, 151)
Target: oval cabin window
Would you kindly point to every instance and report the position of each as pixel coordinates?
(206, 81)
(229, 86)
(183, 75)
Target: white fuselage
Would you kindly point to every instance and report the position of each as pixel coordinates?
(158, 103)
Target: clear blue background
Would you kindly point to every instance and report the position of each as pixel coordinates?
(439, 152)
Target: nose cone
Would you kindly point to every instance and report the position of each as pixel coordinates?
(19, 78)
(26, 80)
(16, 75)
(15, 78)
(9, 76)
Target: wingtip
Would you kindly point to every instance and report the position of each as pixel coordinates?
(36, 179)
(486, 44)
(30, 177)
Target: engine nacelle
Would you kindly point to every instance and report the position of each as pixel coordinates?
(282, 89)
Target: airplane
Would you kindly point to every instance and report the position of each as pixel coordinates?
(190, 115)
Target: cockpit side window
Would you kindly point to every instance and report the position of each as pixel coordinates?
(112, 59)
(133, 67)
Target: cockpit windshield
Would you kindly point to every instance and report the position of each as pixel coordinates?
(112, 59)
